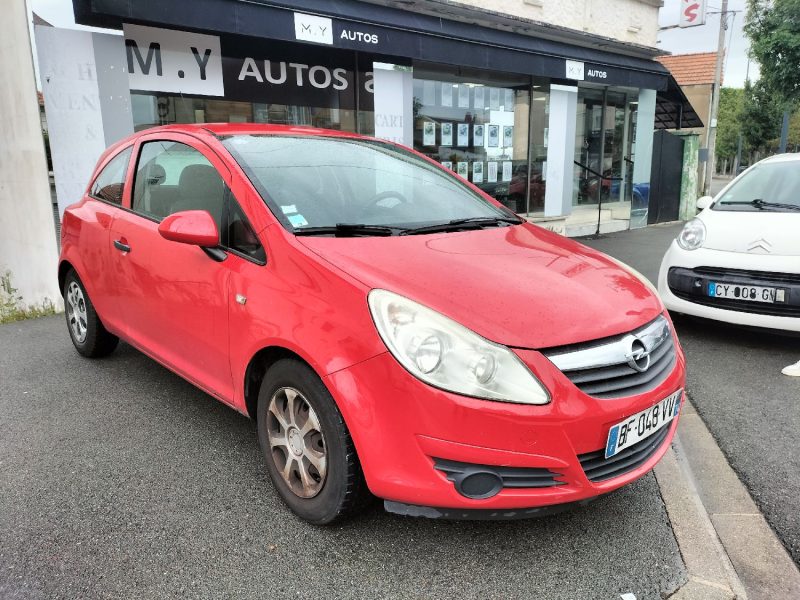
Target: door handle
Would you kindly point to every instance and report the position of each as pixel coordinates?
(121, 247)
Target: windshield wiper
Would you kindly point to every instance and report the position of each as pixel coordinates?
(348, 230)
(467, 223)
(762, 204)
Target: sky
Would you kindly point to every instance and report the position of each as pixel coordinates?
(677, 41)
(704, 38)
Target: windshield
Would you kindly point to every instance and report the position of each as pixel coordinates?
(317, 182)
(772, 186)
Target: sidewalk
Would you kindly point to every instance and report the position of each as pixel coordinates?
(729, 549)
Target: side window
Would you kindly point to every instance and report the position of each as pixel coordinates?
(241, 236)
(171, 177)
(111, 181)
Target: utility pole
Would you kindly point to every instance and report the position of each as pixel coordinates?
(738, 162)
(784, 132)
(711, 136)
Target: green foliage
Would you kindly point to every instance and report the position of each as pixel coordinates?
(761, 116)
(729, 122)
(12, 307)
(773, 27)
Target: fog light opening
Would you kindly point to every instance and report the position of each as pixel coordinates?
(480, 485)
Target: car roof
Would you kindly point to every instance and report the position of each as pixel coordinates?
(783, 157)
(225, 129)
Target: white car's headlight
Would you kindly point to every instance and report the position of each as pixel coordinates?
(447, 355)
(692, 235)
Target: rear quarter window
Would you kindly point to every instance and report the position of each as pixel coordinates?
(110, 182)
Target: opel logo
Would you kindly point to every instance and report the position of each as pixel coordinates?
(639, 356)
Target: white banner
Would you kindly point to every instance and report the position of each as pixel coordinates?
(394, 94)
(165, 60)
(693, 13)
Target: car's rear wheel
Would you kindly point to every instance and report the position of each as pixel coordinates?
(88, 335)
(309, 452)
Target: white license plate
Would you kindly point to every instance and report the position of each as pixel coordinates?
(753, 293)
(643, 424)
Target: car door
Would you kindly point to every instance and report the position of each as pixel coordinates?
(101, 206)
(175, 296)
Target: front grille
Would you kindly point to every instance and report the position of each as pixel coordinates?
(511, 477)
(765, 276)
(599, 468)
(756, 308)
(692, 285)
(603, 369)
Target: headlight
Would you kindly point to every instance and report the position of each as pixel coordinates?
(692, 235)
(447, 355)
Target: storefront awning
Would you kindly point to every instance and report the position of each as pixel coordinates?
(673, 109)
(395, 34)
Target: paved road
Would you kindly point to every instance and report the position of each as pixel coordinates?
(735, 382)
(120, 480)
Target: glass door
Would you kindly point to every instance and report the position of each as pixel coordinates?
(604, 149)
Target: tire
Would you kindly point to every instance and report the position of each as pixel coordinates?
(311, 436)
(86, 330)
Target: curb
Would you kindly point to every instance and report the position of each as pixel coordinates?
(729, 549)
(711, 574)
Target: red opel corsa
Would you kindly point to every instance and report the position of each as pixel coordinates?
(390, 328)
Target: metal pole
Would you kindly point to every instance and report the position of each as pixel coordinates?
(712, 131)
(784, 132)
(602, 157)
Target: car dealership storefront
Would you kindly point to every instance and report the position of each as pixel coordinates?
(545, 126)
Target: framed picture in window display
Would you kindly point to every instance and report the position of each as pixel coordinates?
(447, 94)
(494, 98)
(463, 169)
(507, 166)
(491, 172)
(429, 133)
(463, 96)
(477, 136)
(447, 164)
(494, 135)
(447, 134)
(508, 136)
(477, 101)
(508, 103)
(477, 172)
(463, 134)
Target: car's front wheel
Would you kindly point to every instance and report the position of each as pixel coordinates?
(88, 334)
(309, 452)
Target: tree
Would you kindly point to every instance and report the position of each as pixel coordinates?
(773, 27)
(760, 116)
(729, 122)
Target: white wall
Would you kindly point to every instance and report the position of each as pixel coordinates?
(28, 246)
(87, 101)
(634, 21)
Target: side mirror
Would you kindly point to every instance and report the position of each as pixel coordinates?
(704, 202)
(195, 227)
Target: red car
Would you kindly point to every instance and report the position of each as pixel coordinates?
(391, 329)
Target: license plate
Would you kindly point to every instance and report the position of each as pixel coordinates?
(753, 293)
(643, 424)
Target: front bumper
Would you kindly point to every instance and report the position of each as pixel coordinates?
(403, 428)
(685, 289)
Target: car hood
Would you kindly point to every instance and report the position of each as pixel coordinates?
(521, 286)
(752, 232)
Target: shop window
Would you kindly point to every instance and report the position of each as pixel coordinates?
(477, 124)
(110, 182)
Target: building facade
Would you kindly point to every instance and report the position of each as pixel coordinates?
(552, 119)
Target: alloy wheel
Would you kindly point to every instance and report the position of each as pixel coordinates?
(296, 442)
(76, 312)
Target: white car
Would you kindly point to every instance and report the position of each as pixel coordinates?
(738, 261)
